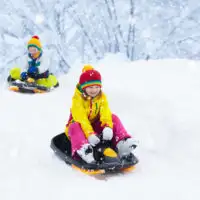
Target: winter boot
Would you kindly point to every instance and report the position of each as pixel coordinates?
(125, 147)
(86, 153)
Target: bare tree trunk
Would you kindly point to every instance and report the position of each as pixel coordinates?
(109, 45)
(63, 57)
(97, 36)
(79, 22)
(131, 33)
(118, 26)
(115, 44)
(83, 48)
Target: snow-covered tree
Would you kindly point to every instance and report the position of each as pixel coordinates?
(86, 30)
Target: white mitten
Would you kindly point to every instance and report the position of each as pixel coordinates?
(93, 140)
(107, 133)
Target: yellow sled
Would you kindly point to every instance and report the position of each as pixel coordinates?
(30, 86)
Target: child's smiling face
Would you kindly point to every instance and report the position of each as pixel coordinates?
(32, 50)
(93, 91)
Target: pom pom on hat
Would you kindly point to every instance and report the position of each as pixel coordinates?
(87, 67)
(36, 37)
(89, 77)
(35, 42)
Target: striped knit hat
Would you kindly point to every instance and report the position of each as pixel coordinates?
(35, 42)
(89, 77)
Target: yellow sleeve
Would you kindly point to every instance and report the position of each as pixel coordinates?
(105, 113)
(79, 115)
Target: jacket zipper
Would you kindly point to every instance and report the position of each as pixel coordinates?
(90, 109)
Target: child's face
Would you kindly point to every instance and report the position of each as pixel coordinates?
(93, 91)
(32, 50)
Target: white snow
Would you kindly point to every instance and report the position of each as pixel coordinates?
(39, 18)
(158, 102)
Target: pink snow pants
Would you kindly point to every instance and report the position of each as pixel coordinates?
(78, 138)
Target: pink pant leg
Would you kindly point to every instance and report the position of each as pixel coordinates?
(77, 137)
(119, 132)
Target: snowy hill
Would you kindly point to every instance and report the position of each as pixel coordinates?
(158, 102)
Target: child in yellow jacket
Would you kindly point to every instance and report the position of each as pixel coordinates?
(91, 116)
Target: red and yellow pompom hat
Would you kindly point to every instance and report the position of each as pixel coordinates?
(89, 77)
(35, 42)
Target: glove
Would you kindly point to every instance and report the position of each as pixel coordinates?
(107, 133)
(24, 76)
(93, 140)
(33, 71)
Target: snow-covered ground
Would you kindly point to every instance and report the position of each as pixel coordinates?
(158, 102)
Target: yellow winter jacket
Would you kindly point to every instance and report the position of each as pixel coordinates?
(86, 110)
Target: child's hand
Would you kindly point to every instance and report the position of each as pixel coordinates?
(107, 133)
(93, 140)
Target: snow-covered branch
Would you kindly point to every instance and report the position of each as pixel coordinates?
(86, 30)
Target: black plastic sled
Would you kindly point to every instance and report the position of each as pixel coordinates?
(106, 158)
(27, 87)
